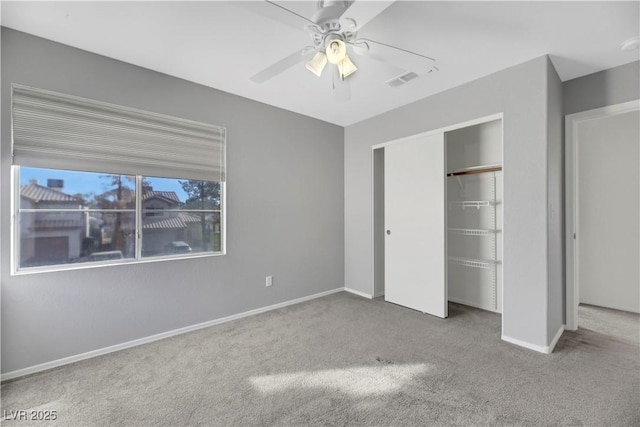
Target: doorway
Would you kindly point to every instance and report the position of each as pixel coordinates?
(602, 173)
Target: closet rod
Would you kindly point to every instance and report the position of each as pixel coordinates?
(473, 171)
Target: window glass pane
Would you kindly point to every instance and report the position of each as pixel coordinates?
(180, 216)
(52, 238)
(66, 217)
(181, 233)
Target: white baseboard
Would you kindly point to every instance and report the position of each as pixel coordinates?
(152, 338)
(556, 338)
(534, 347)
(359, 293)
(539, 348)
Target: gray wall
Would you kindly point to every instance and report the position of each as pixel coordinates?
(285, 215)
(521, 93)
(608, 87)
(555, 189)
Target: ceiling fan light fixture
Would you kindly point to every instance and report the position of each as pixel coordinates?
(336, 51)
(317, 63)
(346, 67)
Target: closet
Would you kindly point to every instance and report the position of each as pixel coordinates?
(442, 198)
(474, 215)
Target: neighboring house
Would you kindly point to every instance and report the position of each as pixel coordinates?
(161, 224)
(48, 237)
(54, 237)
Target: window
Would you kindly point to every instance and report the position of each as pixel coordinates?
(88, 217)
(163, 196)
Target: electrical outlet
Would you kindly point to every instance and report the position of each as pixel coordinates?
(269, 281)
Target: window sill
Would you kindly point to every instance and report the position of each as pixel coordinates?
(111, 263)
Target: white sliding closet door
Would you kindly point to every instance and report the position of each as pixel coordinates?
(415, 224)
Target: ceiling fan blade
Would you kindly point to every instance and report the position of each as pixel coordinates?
(362, 11)
(395, 56)
(281, 66)
(276, 12)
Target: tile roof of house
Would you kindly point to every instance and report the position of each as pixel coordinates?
(189, 217)
(179, 221)
(170, 196)
(38, 193)
(164, 223)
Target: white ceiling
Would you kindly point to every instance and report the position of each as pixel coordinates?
(222, 44)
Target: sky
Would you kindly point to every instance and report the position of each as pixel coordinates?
(88, 182)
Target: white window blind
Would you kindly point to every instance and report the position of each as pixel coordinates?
(58, 131)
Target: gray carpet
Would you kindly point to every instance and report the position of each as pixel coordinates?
(344, 360)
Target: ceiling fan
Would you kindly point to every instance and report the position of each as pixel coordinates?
(333, 30)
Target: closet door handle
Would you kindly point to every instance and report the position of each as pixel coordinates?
(388, 232)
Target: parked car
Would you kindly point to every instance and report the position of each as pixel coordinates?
(179, 247)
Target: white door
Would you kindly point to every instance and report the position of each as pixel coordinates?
(608, 208)
(415, 224)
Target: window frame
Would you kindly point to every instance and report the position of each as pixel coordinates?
(15, 233)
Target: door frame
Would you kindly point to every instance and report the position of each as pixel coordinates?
(572, 121)
(484, 119)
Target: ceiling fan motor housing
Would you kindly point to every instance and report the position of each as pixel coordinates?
(329, 26)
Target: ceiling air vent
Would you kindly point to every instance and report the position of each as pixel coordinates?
(400, 80)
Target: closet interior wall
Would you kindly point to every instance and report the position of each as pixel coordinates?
(474, 215)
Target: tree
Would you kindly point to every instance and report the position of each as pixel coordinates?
(202, 195)
(118, 196)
